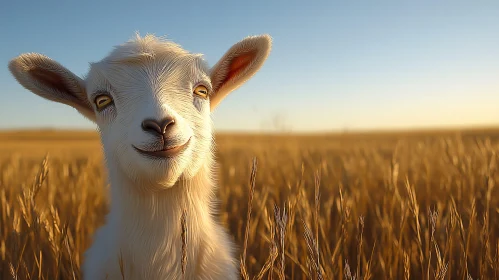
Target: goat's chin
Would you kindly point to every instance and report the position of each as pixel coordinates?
(160, 185)
(149, 173)
(159, 181)
(154, 174)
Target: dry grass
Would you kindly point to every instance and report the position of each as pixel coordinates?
(368, 206)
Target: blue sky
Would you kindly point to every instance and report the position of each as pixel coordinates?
(334, 64)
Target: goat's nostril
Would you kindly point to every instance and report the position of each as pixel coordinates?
(155, 127)
(152, 126)
(166, 124)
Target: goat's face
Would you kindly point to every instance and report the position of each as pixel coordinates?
(153, 115)
(151, 101)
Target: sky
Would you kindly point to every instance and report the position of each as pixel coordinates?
(334, 65)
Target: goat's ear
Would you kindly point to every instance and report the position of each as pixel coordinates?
(50, 80)
(238, 65)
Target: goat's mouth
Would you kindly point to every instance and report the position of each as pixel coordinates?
(166, 152)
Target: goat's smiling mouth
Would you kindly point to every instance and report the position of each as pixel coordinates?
(165, 153)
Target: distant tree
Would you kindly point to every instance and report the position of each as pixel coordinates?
(277, 122)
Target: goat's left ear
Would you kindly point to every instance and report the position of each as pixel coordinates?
(238, 65)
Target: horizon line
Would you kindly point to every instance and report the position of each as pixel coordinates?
(294, 132)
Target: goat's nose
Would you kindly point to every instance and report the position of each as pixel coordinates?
(156, 126)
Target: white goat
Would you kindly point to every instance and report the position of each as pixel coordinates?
(152, 101)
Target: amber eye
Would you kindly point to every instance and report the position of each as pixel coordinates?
(102, 101)
(201, 91)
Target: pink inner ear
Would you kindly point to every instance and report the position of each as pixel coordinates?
(238, 65)
(50, 79)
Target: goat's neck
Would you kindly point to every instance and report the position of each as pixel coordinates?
(146, 230)
(133, 209)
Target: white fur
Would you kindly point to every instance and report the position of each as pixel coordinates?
(150, 78)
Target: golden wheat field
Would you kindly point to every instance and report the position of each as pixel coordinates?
(414, 205)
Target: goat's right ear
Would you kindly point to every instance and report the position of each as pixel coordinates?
(50, 80)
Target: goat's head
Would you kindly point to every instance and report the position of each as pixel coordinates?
(150, 99)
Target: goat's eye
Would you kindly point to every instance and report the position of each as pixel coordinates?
(201, 91)
(102, 101)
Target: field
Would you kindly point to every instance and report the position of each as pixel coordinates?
(394, 205)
